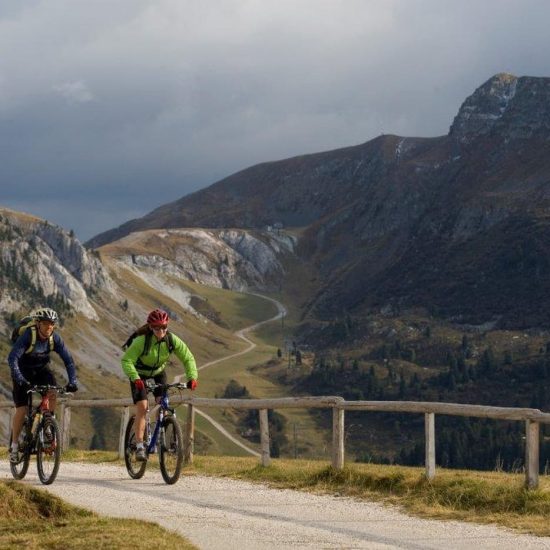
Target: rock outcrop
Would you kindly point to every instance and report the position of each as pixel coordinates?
(43, 264)
(231, 259)
(507, 107)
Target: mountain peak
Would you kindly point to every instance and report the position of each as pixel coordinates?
(484, 107)
(506, 106)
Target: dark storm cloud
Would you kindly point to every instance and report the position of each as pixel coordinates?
(109, 109)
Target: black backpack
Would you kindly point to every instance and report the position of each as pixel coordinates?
(28, 322)
(144, 329)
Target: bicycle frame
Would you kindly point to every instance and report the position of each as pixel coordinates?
(43, 406)
(30, 426)
(165, 437)
(163, 408)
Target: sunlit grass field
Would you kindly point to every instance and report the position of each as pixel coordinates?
(237, 310)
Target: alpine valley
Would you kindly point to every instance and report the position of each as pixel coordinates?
(411, 268)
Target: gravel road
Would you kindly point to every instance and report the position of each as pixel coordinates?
(221, 513)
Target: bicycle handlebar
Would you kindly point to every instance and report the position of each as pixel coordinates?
(151, 386)
(45, 388)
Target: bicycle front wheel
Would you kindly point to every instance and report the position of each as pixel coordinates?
(48, 450)
(135, 468)
(19, 468)
(171, 450)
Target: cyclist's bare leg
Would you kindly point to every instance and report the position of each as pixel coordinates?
(141, 410)
(18, 420)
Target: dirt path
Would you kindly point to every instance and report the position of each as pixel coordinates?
(281, 310)
(218, 513)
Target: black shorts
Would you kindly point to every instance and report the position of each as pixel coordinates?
(142, 394)
(42, 376)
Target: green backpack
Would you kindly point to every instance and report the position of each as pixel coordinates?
(144, 329)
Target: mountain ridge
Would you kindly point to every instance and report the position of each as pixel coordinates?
(368, 213)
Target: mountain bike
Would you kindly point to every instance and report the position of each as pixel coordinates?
(164, 435)
(40, 436)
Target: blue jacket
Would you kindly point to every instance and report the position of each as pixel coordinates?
(39, 357)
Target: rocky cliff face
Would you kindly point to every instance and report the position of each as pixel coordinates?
(480, 112)
(232, 259)
(506, 106)
(42, 264)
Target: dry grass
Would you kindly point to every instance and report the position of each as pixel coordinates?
(32, 518)
(236, 309)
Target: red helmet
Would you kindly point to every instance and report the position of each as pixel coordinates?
(158, 317)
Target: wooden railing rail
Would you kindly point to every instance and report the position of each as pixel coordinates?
(532, 418)
(451, 409)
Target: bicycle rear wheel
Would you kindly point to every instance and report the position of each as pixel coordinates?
(135, 468)
(48, 450)
(171, 450)
(19, 469)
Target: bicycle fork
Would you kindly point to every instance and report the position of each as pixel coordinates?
(153, 438)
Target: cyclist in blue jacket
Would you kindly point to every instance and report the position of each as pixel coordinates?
(29, 364)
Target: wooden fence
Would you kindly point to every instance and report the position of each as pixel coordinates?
(532, 418)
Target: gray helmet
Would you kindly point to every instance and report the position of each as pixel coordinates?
(45, 314)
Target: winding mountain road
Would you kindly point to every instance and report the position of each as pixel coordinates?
(281, 310)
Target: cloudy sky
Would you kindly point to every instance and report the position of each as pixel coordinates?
(110, 108)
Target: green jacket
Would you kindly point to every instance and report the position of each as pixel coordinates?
(156, 358)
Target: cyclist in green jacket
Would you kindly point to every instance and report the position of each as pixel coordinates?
(145, 358)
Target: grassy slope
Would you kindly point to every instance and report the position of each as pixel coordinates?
(238, 311)
(249, 369)
(103, 377)
(210, 342)
(95, 346)
(32, 518)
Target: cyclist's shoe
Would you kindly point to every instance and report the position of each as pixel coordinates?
(141, 455)
(14, 457)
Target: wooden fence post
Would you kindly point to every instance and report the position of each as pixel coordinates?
(124, 417)
(189, 437)
(429, 430)
(11, 413)
(337, 438)
(65, 426)
(264, 437)
(532, 433)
